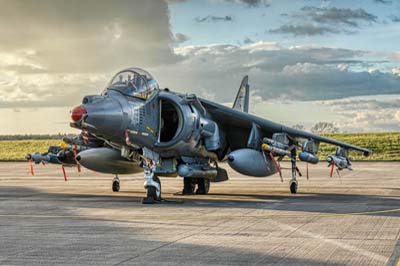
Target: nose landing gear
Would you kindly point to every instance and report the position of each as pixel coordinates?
(153, 186)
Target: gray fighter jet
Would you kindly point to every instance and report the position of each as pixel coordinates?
(143, 128)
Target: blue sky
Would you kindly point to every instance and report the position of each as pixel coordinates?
(255, 23)
(307, 60)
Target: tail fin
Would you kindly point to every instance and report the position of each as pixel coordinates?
(242, 98)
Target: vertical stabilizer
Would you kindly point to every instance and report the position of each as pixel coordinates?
(242, 98)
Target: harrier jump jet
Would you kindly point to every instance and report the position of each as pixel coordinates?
(159, 132)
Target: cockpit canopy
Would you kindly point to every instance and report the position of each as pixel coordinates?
(133, 82)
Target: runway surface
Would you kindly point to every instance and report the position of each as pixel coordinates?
(352, 220)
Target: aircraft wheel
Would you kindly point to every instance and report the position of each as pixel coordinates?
(293, 186)
(189, 186)
(152, 195)
(115, 185)
(203, 186)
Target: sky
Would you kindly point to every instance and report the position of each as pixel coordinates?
(307, 60)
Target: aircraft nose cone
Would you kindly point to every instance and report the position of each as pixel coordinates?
(104, 116)
(77, 113)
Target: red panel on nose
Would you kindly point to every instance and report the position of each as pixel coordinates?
(77, 113)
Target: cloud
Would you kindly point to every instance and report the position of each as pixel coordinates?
(88, 35)
(53, 52)
(181, 38)
(385, 2)
(396, 71)
(247, 40)
(366, 113)
(312, 20)
(395, 56)
(252, 3)
(211, 18)
(305, 29)
(298, 73)
(338, 16)
(394, 18)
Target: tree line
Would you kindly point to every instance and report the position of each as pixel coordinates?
(35, 136)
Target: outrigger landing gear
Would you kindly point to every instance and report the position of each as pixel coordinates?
(293, 182)
(115, 184)
(189, 186)
(153, 186)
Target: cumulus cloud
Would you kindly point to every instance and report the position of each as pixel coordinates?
(52, 52)
(297, 73)
(211, 18)
(87, 35)
(366, 113)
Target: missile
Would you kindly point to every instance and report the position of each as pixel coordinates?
(275, 143)
(275, 150)
(42, 158)
(340, 162)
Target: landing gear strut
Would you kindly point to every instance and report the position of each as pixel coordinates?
(153, 186)
(293, 182)
(189, 186)
(115, 184)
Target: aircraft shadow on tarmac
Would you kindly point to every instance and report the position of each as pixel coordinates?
(323, 203)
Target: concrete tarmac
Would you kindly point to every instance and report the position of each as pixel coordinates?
(352, 220)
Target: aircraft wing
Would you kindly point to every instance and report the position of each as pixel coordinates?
(238, 125)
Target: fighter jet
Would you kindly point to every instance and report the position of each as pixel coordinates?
(160, 132)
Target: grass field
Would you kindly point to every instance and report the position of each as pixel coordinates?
(15, 150)
(386, 146)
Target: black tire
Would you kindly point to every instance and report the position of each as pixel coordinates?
(203, 186)
(293, 188)
(115, 186)
(189, 186)
(152, 191)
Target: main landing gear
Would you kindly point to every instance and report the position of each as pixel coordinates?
(293, 182)
(189, 186)
(115, 184)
